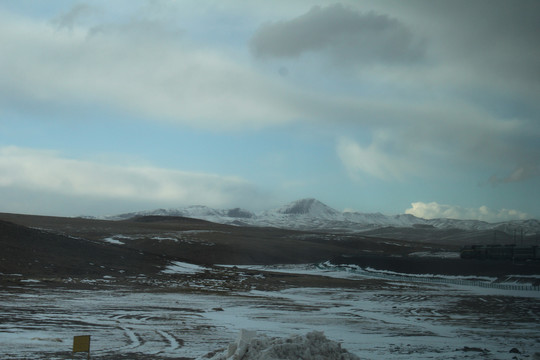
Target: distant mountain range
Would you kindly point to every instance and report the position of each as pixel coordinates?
(311, 214)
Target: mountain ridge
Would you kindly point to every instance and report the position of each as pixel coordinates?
(312, 214)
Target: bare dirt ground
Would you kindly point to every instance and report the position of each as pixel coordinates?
(62, 277)
(56, 246)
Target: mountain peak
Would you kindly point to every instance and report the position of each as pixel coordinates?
(307, 206)
(310, 213)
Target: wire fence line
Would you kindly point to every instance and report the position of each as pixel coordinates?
(484, 284)
(430, 279)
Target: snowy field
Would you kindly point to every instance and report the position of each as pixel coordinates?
(389, 320)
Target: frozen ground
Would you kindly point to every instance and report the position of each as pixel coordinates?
(374, 319)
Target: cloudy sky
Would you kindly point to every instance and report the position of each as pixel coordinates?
(423, 107)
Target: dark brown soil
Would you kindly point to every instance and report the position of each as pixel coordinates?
(56, 247)
(442, 266)
(33, 252)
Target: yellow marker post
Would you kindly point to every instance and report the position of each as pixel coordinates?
(81, 344)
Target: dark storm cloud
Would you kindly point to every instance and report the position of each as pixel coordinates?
(494, 41)
(346, 35)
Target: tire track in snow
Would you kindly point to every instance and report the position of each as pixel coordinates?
(136, 340)
(174, 344)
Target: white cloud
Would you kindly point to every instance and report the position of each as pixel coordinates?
(142, 67)
(374, 160)
(434, 210)
(48, 172)
(68, 19)
(152, 68)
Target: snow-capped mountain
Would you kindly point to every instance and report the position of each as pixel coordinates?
(195, 211)
(311, 214)
(311, 208)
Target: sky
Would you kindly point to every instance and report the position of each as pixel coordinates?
(430, 108)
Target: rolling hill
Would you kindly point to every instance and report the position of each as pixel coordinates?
(311, 214)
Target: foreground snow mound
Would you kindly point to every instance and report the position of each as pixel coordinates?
(312, 346)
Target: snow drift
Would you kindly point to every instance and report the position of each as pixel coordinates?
(313, 346)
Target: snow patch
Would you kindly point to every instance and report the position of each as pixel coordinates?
(116, 239)
(164, 238)
(441, 255)
(178, 267)
(431, 276)
(314, 345)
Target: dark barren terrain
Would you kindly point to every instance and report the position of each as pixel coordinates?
(155, 287)
(58, 247)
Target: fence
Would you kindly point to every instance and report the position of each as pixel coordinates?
(434, 279)
(484, 284)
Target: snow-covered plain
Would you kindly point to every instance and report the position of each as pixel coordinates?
(388, 320)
